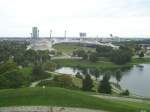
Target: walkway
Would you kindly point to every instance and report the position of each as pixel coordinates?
(140, 100)
(45, 109)
(34, 84)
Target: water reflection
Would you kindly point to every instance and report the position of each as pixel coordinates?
(136, 79)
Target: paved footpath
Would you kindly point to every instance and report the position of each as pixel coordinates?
(45, 109)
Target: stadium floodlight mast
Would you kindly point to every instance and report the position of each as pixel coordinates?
(65, 34)
(31, 35)
(97, 37)
(50, 34)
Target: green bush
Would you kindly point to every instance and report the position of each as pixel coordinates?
(64, 81)
(12, 79)
(50, 66)
(38, 73)
(78, 75)
(125, 93)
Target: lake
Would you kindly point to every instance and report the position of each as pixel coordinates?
(136, 79)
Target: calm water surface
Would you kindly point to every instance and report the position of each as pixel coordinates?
(136, 80)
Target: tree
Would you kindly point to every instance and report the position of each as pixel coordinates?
(12, 79)
(95, 73)
(8, 66)
(38, 72)
(118, 76)
(141, 54)
(103, 51)
(80, 53)
(121, 56)
(49, 66)
(78, 75)
(125, 93)
(93, 57)
(104, 86)
(87, 83)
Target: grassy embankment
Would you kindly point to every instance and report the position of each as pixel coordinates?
(104, 65)
(64, 97)
(140, 60)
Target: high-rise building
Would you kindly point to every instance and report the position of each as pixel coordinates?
(35, 33)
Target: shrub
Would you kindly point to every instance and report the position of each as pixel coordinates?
(64, 80)
(125, 93)
(12, 79)
(49, 66)
(141, 54)
(78, 75)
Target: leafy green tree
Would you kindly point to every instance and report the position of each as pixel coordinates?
(38, 72)
(121, 56)
(104, 51)
(95, 73)
(78, 75)
(105, 86)
(141, 54)
(49, 66)
(118, 76)
(87, 83)
(125, 93)
(8, 66)
(80, 53)
(12, 79)
(93, 57)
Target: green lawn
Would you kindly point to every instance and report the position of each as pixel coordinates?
(64, 97)
(87, 64)
(69, 48)
(140, 60)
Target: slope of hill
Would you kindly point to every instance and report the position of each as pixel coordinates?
(67, 98)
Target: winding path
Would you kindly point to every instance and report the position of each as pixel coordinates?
(34, 84)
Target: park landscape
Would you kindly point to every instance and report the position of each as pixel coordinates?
(30, 78)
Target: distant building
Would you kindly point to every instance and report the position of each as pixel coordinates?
(82, 35)
(35, 33)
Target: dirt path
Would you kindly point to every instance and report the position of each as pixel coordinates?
(45, 109)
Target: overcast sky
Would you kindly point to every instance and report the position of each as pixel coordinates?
(95, 17)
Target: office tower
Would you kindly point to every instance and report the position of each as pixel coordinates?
(35, 33)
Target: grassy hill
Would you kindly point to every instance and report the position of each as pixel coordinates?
(64, 97)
